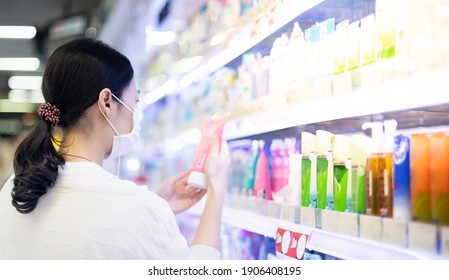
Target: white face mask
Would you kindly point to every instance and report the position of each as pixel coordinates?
(122, 144)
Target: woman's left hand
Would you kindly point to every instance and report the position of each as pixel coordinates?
(180, 198)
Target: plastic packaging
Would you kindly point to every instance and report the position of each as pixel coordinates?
(420, 177)
(439, 178)
(359, 155)
(380, 169)
(262, 182)
(308, 168)
(294, 179)
(212, 128)
(341, 148)
(401, 178)
(251, 168)
(324, 171)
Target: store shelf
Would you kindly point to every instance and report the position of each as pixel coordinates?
(420, 91)
(337, 245)
(244, 43)
(221, 57)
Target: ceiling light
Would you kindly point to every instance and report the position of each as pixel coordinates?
(17, 32)
(25, 82)
(19, 64)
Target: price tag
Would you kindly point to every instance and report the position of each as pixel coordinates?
(261, 207)
(370, 75)
(348, 224)
(291, 243)
(342, 83)
(329, 220)
(371, 227)
(251, 204)
(308, 216)
(394, 232)
(274, 209)
(238, 201)
(422, 236)
(291, 213)
(445, 240)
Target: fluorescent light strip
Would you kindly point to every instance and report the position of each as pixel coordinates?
(19, 64)
(25, 82)
(17, 32)
(28, 96)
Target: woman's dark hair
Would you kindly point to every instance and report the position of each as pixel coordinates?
(74, 76)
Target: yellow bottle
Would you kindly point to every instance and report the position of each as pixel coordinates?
(379, 168)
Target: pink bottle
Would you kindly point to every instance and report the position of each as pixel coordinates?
(262, 184)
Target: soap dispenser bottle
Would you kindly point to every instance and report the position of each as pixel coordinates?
(375, 163)
(380, 168)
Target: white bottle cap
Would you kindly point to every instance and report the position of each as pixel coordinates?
(308, 143)
(341, 148)
(197, 179)
(323, 142)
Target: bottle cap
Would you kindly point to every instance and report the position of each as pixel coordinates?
(341, 148)
(308, 143)
(323, 142)
(197, 179)
(377, 136)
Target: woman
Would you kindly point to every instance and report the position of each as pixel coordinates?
(65, 205)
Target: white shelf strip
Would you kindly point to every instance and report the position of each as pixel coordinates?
(337, 245)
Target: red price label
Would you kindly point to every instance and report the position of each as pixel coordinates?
(291, 243)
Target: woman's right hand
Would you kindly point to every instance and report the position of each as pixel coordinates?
(217, 167)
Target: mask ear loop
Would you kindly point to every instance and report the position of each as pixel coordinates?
(116, 133)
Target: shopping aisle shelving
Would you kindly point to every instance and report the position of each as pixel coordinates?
(337, 245)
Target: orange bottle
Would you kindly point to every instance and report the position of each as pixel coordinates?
(420, 177)
(439, 178)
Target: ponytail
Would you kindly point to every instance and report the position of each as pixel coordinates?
(36, 164)
(74, 75)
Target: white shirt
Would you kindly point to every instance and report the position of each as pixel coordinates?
(92, 214)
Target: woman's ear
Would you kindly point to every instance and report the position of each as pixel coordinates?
(105, 101)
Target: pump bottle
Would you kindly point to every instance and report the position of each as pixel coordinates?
(379, 169)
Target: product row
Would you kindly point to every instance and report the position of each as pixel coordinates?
(405, 177)
(327, 59)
